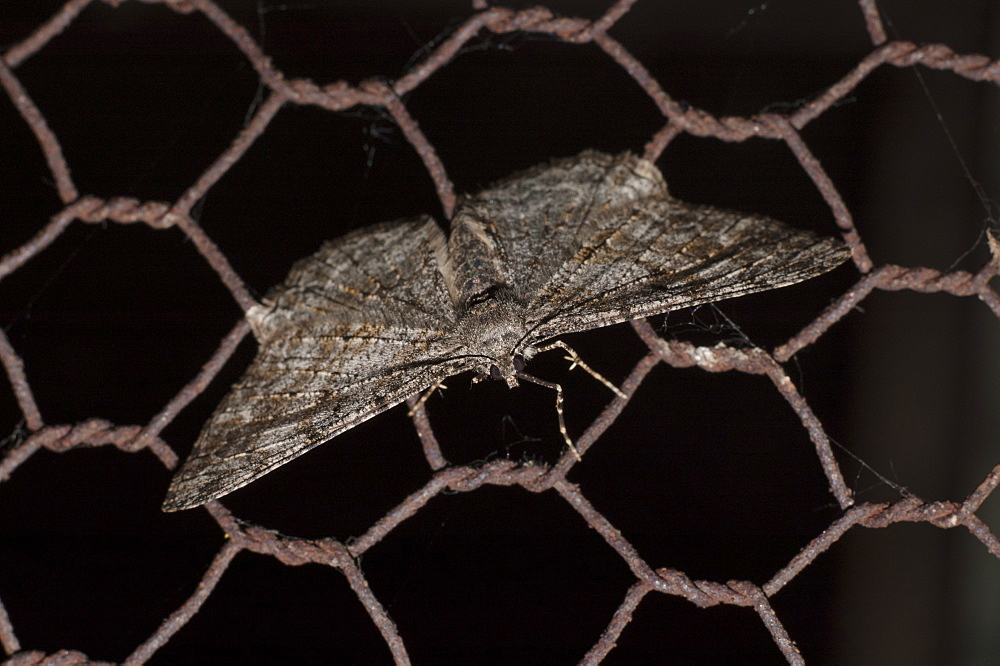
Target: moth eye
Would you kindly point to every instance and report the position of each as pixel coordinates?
(495, 373)
(519, 363)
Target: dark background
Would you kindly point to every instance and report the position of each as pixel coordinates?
(709, 474)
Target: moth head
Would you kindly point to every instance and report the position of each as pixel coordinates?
(506, 369)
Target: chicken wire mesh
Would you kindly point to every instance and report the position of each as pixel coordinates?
(722, 511)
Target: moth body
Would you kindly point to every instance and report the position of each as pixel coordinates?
(386, 312)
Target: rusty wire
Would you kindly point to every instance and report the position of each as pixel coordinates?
(446, 477)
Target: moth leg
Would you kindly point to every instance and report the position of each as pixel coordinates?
(559, 408)
(575, 359)
(425, 396)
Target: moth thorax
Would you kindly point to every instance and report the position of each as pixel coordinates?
(494, 329)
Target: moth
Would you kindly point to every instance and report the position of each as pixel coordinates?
(388, 311)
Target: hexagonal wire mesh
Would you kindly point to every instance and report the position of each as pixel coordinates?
(470, 535)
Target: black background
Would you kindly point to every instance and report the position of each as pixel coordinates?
(709, 474)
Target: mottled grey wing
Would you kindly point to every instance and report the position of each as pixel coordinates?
(595, 240)
(521, 230)
(665, 255)
(354, 330)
